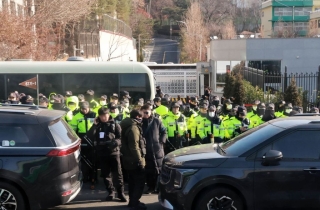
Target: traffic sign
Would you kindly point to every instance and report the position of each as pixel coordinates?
(30, 83)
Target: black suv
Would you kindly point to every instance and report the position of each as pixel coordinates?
(39, 159)
(273, 166)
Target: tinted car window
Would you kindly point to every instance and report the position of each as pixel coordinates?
(62, 133)
(250, 139)
(299, 145)
(23, 136)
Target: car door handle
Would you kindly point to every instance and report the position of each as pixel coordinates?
(312, 170)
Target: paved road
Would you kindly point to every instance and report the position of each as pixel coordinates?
(94, 200)
(164, 51)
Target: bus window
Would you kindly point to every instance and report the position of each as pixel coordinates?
(101, 84)
(13, 81)
(138, 85)
(51, 83)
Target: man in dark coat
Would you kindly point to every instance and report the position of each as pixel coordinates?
(106, 134)
(155, 134)
(134, 150)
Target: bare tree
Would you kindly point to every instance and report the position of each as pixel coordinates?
(61, 11)
(19, 39)
(117, 46)
(194, 34)
(283, 29)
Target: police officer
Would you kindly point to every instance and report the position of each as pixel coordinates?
(288, 109)
(106, 134)
(12, 99)
(102, 103)
(89, 96)
(114, 98)
(280, 109)
(207, 125)
(237, 124)
(254, 109)
(176, 126)
(58, 103)
(43, 101)
(67, 95)
(73, 106)
(255, 116)
(193, 102)
(114, 112)
(269, 113)
(124, 108)
(159, 92)
(81, 123)
(190, 115)
(227, 109)
(160, 109)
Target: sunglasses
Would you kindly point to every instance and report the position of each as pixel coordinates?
(146, 112)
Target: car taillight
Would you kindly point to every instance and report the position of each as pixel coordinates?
(63, 152)
(66, 193)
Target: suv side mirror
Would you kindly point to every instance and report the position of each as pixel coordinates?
(271, 158)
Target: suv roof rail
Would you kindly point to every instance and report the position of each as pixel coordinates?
(305, 114)
(35, 107)
(16, 111)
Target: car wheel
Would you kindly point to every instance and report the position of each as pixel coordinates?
(218, 199)
(11, 198)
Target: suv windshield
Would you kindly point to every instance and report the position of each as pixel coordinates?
(249, 139)
(62, 133)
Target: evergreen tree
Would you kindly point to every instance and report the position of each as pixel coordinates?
(123, 10)
(292, 95)
(239, 90)
(106, 7)
(228, 90)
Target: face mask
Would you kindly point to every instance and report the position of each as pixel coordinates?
(126, 105)
(72, 107)
(254, 108)
(229, 106)
(211, 114)
(13, 102)
(102, 103)
(288, 111)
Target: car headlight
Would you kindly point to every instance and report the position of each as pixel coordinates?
(180, 174)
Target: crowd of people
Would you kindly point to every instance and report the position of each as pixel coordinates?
(130, 141)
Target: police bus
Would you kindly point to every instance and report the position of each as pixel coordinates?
(105, 78)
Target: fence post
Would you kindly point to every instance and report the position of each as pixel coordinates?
(285, 82)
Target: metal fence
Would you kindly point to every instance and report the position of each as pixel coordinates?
(275, 81)
(178, 82)
(116, 26)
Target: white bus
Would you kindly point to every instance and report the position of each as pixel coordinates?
(105, 78)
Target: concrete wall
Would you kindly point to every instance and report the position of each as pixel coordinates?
(299, 54)
(114, 47)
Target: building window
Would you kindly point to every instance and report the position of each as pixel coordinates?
(319, 23)
(5, 5)
(301, 26)
(278, 26)
(283, 11)
(302, 11)
(13, 10)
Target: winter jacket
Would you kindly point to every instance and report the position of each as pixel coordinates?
(155, 134)
(106, 137)
(132, 147)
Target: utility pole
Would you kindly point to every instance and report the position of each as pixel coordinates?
(170, 29)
